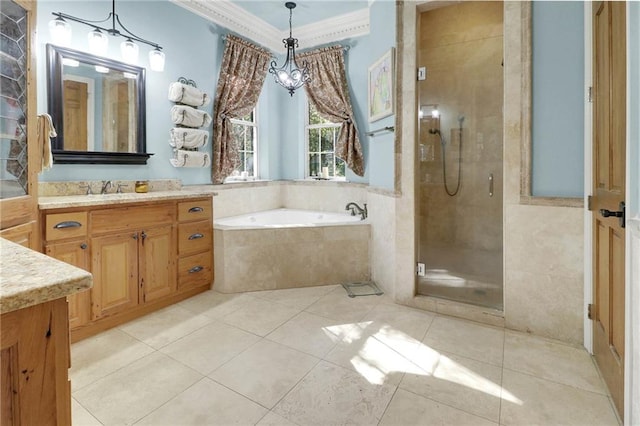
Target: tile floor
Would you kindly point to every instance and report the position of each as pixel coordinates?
(314, 356)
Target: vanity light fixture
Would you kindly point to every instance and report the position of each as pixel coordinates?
(98, 41)
(290, 75)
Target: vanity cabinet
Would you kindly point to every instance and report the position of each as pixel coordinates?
(134, 256)
(143, 256)
(195, 238)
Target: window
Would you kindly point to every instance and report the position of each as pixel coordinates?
(245, 136)
(321, 146)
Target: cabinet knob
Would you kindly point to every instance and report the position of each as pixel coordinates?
(195, 269)
(195, 236)
(135, 236)
(195, 209)
(83, 246)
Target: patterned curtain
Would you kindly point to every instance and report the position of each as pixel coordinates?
(244, 67)
(328, 92)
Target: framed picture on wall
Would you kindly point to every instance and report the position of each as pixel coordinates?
(381, 80)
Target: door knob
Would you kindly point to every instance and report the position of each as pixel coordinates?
(620, 214)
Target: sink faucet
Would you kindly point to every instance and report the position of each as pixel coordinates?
(106, 184)
(357, 209)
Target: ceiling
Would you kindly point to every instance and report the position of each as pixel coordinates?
(306, 12)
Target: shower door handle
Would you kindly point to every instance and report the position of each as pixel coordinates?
(490, 184)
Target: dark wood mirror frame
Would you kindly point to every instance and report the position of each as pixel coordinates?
(55, 55)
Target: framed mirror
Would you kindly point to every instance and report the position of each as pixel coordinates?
(98, 108)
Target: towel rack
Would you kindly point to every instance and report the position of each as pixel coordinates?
(383, 129)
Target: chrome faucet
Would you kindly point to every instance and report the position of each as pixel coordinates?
(356, 209)
(106, 184)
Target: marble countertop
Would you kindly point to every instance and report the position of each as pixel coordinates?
(28, 278)
(66, 201)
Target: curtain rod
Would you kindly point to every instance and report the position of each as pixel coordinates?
(345, 48)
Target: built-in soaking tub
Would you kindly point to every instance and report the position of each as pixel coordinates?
(286, 248)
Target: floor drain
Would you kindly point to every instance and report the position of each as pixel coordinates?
(364, 288)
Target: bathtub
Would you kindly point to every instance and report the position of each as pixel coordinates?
(286, 248)
(286, 218)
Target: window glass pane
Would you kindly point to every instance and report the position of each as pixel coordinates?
(314, 165)
(314, 135)
(327, 161)
(249, 164)
(327, 139)
(340, 167)
(240, 166)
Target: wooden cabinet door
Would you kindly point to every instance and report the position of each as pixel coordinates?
(114, 264)
(75, 253)
(157, 263)
(24, 234)
(34, 358)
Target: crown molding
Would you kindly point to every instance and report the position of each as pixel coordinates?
(236, 19)
(243, 23)
(353, 24)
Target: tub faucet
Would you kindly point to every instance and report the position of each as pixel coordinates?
(357, 209)
(106, 184)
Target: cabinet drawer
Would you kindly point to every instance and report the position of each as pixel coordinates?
(131, 218)
(194, 210)
(65, 225)
(196, 270)
(194, 237)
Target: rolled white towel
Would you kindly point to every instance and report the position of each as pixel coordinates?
(189, 95)
(190, 117)
(188, 138)
(191, 159)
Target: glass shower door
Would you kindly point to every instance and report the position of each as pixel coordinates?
(459, 169)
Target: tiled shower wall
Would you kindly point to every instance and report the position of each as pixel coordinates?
(461, 48)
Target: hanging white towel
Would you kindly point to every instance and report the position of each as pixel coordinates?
(188, 138)
(191, 159)
(189, 95)
(190, 117)
(46, 131)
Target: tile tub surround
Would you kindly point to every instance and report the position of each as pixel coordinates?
(268, 258)
(29, 278)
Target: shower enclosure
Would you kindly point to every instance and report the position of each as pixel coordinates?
(459, 167)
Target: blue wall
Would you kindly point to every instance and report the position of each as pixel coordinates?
(558, 99)
(558, 76)
(280, 117)
(193, 50)
(379, 151)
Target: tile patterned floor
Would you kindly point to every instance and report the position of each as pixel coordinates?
(314, 356)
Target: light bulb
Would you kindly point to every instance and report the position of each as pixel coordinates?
(98, 42)
(60, 31)
(435, 113)
(129, 51)
(156, 60)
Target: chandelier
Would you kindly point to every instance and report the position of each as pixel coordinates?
(98, 41)
(290, 75)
